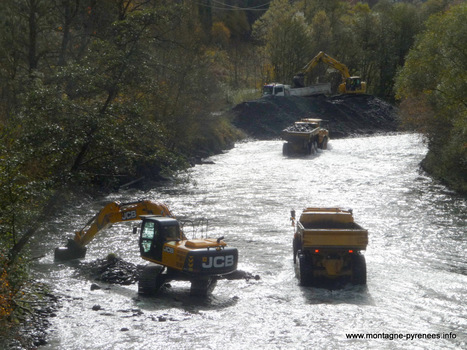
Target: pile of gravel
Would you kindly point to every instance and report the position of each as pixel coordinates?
(111, 269)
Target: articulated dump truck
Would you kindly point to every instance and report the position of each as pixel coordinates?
(327, 244)
(304, 137)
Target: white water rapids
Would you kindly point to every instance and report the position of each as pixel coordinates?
(416, 258)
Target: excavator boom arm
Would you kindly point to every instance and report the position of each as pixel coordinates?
(325, 58)
(111, 213)
(117, 212)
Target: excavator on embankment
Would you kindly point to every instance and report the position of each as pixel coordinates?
(161, 242)
(350, 84)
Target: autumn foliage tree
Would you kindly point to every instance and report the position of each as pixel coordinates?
(95, 94)
(432, 87)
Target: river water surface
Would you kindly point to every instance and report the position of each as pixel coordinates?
(416, 257)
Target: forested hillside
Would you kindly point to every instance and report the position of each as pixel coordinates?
(95, 94)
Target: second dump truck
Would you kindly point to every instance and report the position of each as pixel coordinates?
(304, 137)
(328, 244)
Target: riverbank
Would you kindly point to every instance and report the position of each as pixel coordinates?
(28, 325)
(344, 115)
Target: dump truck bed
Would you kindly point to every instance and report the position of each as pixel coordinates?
(298, 136)
(331, 228)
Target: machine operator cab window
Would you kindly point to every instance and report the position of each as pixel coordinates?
(353, 83)
(155, 231)
(268, 90)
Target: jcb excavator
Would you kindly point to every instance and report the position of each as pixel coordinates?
(349, 85)
(163, 243)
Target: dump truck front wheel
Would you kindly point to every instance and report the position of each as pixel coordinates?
(324, 144)
(296, 247)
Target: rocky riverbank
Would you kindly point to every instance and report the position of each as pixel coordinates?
(31, 319)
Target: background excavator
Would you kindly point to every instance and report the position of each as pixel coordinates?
(162, 242)
(349, 85)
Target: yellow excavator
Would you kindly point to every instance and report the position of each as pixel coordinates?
(162, 242)
(349, 85)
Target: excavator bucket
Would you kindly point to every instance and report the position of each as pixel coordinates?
(71, 251)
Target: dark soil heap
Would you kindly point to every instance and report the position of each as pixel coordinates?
(344, 115)
(111, 269)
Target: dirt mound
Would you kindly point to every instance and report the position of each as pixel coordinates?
(111, 270)
(346, 115)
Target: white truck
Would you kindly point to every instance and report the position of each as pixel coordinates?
(278, 89)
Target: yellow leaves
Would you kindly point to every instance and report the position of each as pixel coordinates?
(6, 295)
(268, 73)
(220, 34)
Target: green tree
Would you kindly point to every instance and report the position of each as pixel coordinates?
(434, 79)
(286, 39)
(321, 32)
(113, 108)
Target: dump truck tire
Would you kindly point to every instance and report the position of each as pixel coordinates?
(285, 149)
(295, 245)
(358, 270)
(324, 144)
(151, 280)
(305, 270)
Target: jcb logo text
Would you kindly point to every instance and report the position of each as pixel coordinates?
(218, 261)
(129, 215)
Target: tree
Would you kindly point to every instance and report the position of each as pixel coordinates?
(126, 104)
(434, 78)
(285, 35)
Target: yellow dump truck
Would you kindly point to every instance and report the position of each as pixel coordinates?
(304, 137)
(327, 244)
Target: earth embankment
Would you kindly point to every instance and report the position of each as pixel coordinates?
(344, 115)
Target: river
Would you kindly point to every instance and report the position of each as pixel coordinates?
(416, 257)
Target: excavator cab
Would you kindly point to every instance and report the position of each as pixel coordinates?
(155, 232)
(353, 85)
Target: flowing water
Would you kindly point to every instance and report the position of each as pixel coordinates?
(416, 257)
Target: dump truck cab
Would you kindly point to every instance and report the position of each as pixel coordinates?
(276, 89)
